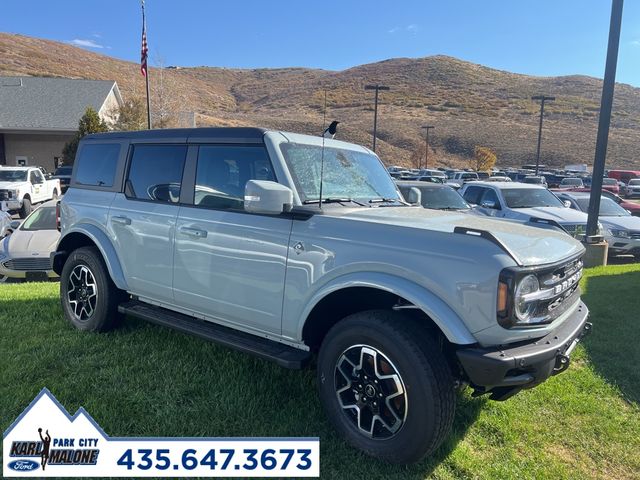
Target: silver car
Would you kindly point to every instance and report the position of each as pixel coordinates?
(292, 247)
(24, 254)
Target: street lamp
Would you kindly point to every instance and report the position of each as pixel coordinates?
(541, 99)
(426, 142)
(377, 88)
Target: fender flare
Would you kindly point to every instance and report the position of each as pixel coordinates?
(107, 250)
(447, 320)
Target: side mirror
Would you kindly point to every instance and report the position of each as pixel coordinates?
(14, 225)
(270, 198)
(488, 204)
(414, 196)
(566, 203)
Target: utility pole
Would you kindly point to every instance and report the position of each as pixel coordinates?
(377, 88)
(541, 99)
(604, 120)
(426, 141)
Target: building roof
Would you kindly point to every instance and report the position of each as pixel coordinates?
(50, 104)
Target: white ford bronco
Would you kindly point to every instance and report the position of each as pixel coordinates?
(23, 187)
(297, 248)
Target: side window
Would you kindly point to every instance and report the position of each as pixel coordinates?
(490, 196)
(472, 194)
(96, 164)
(155, 173)
(223, 172)
(33, 178)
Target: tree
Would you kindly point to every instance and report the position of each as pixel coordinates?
(89, 123)
(131, 115)
(484, 158)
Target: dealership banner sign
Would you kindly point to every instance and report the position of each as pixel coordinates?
(45, 441)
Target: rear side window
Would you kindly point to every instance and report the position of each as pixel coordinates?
(97, 164)
(155, 173)
(223, 171)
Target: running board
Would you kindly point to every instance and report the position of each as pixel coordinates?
(283, 355)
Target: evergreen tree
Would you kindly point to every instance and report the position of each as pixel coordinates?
(89, 123)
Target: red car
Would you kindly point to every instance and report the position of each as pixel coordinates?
(608, 185)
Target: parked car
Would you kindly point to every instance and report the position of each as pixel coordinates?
(571, 182)
(63, 174)
(224, 233)
(431, 179)
(621, 229)
(430, 172)
(25, 252)
(436, 196)
(498, 178)
(611, 184)
(5, 221)
(535, 180)
(633, 188)
(523, 202)
(460, 178)
(623, 175)
(23, 187)
(632, 207)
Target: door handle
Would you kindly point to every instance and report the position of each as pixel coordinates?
(193, 232)
(121, 220)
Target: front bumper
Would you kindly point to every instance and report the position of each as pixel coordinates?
(503, 372)
(10, 205)
(623, 246)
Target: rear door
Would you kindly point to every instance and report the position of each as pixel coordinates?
(229, 264)
(38, 187)
(142, 220)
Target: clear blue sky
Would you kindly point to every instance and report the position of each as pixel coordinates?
(539, 37)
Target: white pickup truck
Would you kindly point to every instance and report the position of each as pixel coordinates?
(22, 187)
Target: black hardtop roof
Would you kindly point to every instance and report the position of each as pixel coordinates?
(221, 133)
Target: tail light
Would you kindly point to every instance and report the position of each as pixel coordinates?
(58, 225)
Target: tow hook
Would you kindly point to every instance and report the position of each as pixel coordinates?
(562, 363)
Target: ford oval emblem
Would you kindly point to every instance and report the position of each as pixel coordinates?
(23, 465)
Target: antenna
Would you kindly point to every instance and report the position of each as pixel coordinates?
(324, 120)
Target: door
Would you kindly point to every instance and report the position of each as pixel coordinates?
(230, 265)
(142, 219)
(38, 187)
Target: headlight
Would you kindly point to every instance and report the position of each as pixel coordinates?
(524, 304)
(620, 233)
(15, 193)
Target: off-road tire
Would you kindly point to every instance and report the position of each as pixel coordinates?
(430, 390)
(104, 314)
(25, 210)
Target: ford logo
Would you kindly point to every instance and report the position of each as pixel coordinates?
(23, 465)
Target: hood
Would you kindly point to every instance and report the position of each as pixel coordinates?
(559, 214)
(627, 222)
(11, 185)
(530, 245)
(24, 243)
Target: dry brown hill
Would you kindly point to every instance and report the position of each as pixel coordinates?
(469, 104)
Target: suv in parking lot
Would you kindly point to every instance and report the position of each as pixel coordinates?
(288, 246)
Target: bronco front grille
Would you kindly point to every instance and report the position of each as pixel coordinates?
(575, 229)
(37, 264)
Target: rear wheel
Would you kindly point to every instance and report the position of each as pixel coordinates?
(25, 210)
(54, 195)
(386, 386)
(89, 297)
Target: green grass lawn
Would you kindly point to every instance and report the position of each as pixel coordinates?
(144, 380)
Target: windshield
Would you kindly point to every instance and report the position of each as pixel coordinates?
(635, 181)
(348, 174)
(571, 181)
(13, 175)
(608, 208)
(443, 198)
(530, 197)
(43, 218)
(609, 181)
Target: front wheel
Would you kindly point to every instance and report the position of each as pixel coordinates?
(386, 386)
(88, 296)
(25, 210)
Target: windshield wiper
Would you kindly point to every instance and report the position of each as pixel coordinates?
(387, 200)
(334, 200)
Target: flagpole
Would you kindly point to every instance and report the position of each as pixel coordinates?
(144, 65)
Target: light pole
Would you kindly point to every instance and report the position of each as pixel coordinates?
(541, 99)
(377, 88)
(604, 120)
(426, 142)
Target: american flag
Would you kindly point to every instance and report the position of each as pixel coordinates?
(145, 49)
